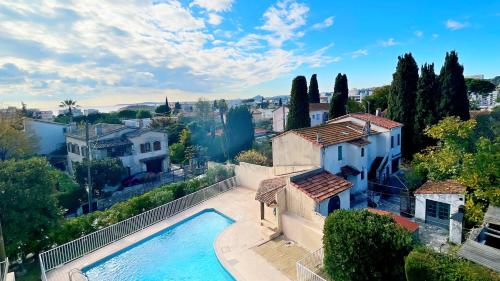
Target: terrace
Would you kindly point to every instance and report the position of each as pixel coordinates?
(234, 246)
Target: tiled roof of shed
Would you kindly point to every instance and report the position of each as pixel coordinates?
(268, 189)
(441, 187)
(404, 222)
(322, 185)
(332, 133)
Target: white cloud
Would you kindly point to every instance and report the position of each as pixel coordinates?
(358, 53)
(435, 35)
(390, 42)
(214, 19)
(283, 20)
(324, 24)
(94, 50)
(213, 5)
(419, 33)
(456, 25)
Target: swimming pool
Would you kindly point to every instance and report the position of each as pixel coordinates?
(183, 251)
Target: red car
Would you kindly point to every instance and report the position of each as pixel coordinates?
(139, 178)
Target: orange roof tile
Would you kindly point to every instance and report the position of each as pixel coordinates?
(441, 187)
(332, 133)
(401, 221)
(375, 120)
(268, 189)
(318, 106)
(322, 185)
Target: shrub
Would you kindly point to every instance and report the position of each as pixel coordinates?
(253, 157)
(360, 245)
(425, 264)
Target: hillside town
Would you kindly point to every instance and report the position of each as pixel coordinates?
(395, 181)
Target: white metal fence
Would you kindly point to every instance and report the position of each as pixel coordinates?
(309, 267)
(4, 269)
(77, 248)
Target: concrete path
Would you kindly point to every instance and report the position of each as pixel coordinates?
(233, 246)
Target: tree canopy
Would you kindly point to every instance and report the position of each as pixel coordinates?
(143, 114)
(377, 100)
(109, 171)
(298, 114)
(14, 143)
(27, 205)
(313, 90)
(466, 156)
(401, 102)
(239, 130)
(479, 86)
(360, 245)
(454, 100)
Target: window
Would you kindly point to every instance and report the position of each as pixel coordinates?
(147, 147)
(392, 141)
(143, 148)
(156, 145)
(76, 149)
(362, 152)
(362, 175)
(68, 147)
(84, 151)
(399, 139)
(339, 152)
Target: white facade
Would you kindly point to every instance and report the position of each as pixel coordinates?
(139, 149)
(318, 116)
(359, 94)
(345, 202)
(456, 201)
(49, 135)
(488, 101)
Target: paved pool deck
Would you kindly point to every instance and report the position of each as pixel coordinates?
(234, 246)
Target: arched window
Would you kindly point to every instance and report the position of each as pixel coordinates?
(156, 145)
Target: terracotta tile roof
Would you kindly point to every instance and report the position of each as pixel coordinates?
(113, 142)
(268, 189)
(105, 128)
(441, 187)
(322, 185)
(332, 133)
(318, 106)
(476, 113)
(401, 221)
(375, 120)
(360, 142)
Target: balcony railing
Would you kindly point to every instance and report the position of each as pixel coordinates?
(75, 249)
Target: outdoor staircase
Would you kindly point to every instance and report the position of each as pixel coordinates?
(372, 174)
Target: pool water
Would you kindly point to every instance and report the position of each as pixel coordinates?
(183, 251)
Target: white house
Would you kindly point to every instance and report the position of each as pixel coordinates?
(49, 135)
(442, 204)
(355, 147)
(317, 111)
(140, 149)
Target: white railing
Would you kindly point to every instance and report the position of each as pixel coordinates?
(309, 267)
(4, 269)
(75, 249)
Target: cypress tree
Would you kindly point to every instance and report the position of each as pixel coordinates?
(167, 107)
(426, 104)
(453, 100)
(313, 90)
(338, 104)
(298, 114)
(239, 131)
(401, 102)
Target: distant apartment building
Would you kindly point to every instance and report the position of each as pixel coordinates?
(46, 115)
(90, 111)
(318, 112)
(325, 97)
(140, 149)
(487, 101)
(50, 136)
(9, 113)
(359, 94)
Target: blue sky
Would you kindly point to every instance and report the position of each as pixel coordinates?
(108, 52)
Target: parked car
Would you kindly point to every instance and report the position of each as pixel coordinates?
(139, 178)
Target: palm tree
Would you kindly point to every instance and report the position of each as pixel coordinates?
(70, 104)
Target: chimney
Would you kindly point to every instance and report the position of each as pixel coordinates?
(98, 129)
(367, 128)
(378, 111)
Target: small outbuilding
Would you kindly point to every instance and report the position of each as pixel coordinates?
(441, 203)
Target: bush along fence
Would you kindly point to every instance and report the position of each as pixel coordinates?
(75, 249)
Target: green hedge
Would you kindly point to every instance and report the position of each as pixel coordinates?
(74, 228)
(426, 264)
(360, 245)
